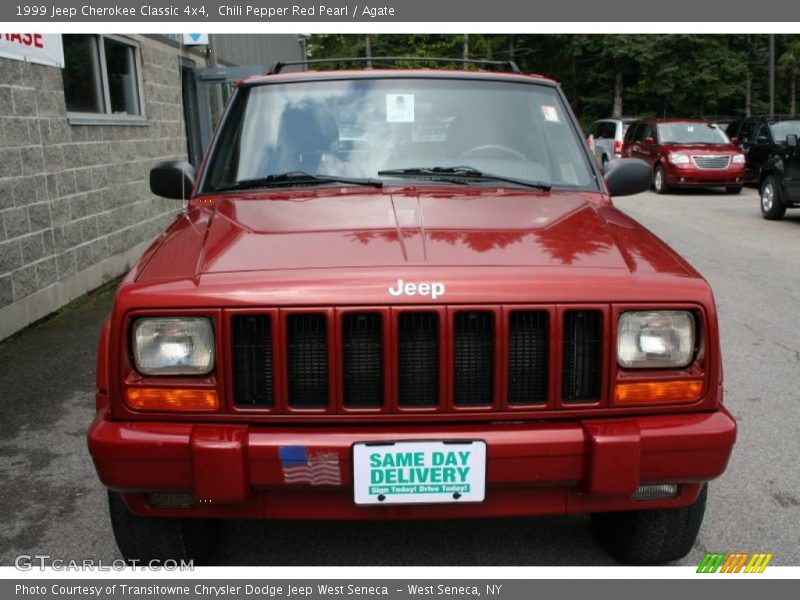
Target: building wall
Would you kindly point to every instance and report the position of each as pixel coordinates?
(75, 205)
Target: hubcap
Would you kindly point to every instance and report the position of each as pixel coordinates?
(659, 182)
(767, 197)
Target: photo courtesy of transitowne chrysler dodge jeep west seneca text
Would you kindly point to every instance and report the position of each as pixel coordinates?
(406, 294)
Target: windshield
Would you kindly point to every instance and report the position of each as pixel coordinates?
(361, 128)
(691, 133)
(784, 128)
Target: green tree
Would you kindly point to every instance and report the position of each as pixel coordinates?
(789, 66)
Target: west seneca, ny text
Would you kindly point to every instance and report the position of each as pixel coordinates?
(243, 11)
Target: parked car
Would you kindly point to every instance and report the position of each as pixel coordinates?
(686, 153)
(780, 175)
(760, 138)
(388, 299)
(607, 136)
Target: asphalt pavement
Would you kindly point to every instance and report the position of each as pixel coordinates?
(52, 503)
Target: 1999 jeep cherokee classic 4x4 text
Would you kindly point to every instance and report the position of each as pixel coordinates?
(406, 294)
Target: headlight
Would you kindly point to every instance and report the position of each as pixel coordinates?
(738, 159)
(653, 339)
(679, 159)
(173, 345)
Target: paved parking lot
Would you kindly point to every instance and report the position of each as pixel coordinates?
(52, 503)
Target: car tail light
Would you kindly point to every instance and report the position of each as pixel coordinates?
(618, 148)
(172, 399)
(654, 392)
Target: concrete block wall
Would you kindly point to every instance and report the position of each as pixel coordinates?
(75, 205)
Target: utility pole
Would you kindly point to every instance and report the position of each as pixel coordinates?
(771, 74)
(368, 50)
(465, 51)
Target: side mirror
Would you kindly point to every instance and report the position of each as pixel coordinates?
(791, 141)
(735, 141)
(649, 140)
(172, 179)
(627, 176)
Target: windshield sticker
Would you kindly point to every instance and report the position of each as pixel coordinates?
(550, 113)
(399, 108)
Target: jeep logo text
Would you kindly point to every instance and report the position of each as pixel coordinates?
(433, 289)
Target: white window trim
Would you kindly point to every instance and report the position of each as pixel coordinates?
(92, 118)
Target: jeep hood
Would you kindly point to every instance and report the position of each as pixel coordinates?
(332, 228)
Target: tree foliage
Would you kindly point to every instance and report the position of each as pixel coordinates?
(655, 75)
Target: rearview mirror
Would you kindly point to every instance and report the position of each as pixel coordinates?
(172, 179)
(791, 140)
(627, 176)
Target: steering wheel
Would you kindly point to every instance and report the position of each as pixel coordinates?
(492, 148)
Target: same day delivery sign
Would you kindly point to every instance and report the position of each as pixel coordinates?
(419, 471)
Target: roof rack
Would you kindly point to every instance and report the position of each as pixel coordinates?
(509, 65)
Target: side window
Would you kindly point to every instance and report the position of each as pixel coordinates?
(746, 131)
(601, 131)
(609, 131)
(633, 133)
(102, 76)
(762, 134)
(648, 131)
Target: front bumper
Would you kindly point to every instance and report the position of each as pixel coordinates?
(691, 176)
(532, 468)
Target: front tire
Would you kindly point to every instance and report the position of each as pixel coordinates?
(650, 537)
(772, 207)
(146, 539)
(659, 180)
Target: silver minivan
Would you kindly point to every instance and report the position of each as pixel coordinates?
(607, 135)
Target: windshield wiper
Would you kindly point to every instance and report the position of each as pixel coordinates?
(292, 178)
(462, 173)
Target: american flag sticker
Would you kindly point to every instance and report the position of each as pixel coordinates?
(301, 465)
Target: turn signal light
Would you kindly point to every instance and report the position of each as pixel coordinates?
(172, 399)
(654, 392)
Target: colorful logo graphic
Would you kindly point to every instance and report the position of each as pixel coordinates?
(736, 562)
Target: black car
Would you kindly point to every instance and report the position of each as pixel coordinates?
(760, 138)
(780, 176)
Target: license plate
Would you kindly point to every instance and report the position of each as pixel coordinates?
(419, 472)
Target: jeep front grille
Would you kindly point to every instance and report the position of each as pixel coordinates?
(362, 360)
(473, 358)
(527, 357)
(307, 360)
(253, 383)
(583, 351)
(417, 359)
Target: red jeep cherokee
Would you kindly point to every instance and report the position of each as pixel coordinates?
(686, 153)
(406, 294)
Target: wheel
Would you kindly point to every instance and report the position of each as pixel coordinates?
(772, 207)
(650, 537)
(659, 181)
(487, 150)
(160, 538)
(734, 189)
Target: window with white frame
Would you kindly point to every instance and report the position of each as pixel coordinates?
(102, 77)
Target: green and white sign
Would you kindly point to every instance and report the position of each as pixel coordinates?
(419, 472)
